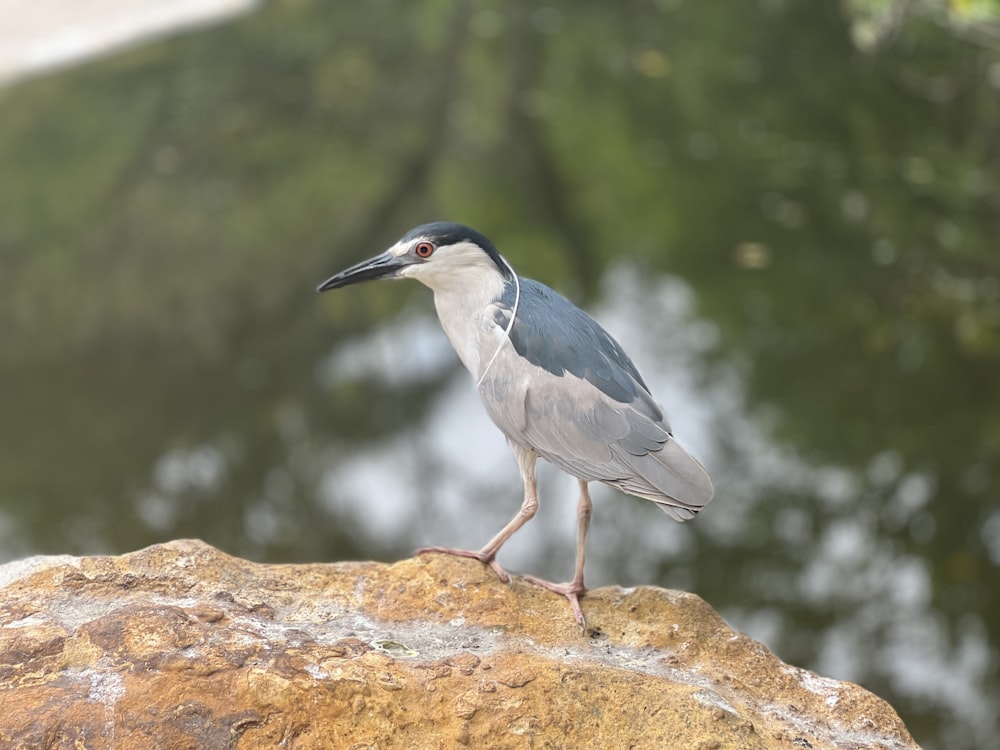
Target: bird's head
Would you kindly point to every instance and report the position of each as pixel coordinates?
(441, 255)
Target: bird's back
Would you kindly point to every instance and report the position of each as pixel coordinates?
(565, 388)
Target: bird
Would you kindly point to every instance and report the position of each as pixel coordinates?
(552, 380)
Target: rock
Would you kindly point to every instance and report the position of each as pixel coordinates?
(181, 646)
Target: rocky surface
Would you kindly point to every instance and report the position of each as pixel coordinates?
(182, 646)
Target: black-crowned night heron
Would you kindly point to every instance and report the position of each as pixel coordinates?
(554, 382)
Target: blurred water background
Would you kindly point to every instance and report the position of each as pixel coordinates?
(788, 212)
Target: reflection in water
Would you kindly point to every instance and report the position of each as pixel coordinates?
(42, 36)
(200, 470)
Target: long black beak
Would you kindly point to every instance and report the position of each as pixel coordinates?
(380, 267)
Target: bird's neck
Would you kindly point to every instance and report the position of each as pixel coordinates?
(463, 307)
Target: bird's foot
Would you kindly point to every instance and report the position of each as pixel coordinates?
(483, 557)
(572, 591)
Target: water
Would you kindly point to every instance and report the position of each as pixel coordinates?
(39, 37)
(789, 221)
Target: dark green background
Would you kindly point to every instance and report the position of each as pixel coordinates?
(167, 371)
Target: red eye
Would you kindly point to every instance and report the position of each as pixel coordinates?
(424, 249)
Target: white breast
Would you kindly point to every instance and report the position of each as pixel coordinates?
(468, 323)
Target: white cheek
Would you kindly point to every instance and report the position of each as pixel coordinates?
(413, 272)
(425, 273)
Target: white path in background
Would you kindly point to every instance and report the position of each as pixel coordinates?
(40, 35)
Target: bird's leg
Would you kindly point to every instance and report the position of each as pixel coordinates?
(526, 459)
(575, 588)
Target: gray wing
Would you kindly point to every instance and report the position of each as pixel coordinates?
(565, 388)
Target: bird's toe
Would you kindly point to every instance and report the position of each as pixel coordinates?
(572, 591)
(483, 557)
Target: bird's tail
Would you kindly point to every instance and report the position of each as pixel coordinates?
(672, 478)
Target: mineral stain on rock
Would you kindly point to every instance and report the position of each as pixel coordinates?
(180, 646)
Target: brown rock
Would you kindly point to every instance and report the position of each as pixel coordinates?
(181, 646)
